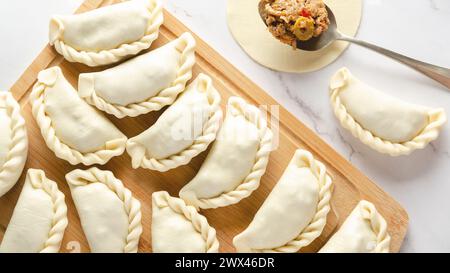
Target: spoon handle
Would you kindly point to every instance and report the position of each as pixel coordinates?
(438, 73)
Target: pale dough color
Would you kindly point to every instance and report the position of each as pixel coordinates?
(179, 126)
(252, 35)
(75, 122)
(285, 213)
(228, 163)
(359, 233)
(135, 80)
(385, 116)
(355, 236)
(103, 217)
(103, 28)
(13, 142)
(172, 232)
(5, 135)
(30, 224)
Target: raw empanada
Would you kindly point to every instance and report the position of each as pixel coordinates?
(179, 228)
(295, 212)
(39, 218)
(13, 142)
(143, 84)
(237, 160)
(109, 215)
(364, 231)
(380, 121)
(108, 34)
(71, 128)
(183, 131)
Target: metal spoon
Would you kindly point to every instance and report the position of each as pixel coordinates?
(440, 74)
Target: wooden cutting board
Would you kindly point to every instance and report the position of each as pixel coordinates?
(350, 185)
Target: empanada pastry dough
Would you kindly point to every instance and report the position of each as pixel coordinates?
(386, 124)
(72, 129)
(13, 142)
(237, 160)
(177, 227)
(39, 218)
(108, 34)
(295, 212)
(143, 84)
(364, 231)
(109, 215)
(183, 131)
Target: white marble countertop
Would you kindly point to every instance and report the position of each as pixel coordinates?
(420, 182)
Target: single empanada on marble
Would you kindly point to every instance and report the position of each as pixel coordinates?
(384, 123)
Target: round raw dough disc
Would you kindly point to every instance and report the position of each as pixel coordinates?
(252, 35)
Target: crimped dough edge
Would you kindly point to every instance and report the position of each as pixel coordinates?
(137, 151)
(162, 199)
(378, 224)
(38, 181)
(186, 45)
(15, 161)
(112, 148)
(80, 178)
(238, 106)
(318, 222)
(109, 56)
(437, 118)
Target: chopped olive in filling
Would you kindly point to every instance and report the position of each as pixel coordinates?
(292, 20)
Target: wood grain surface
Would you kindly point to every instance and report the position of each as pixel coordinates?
(350, 185)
